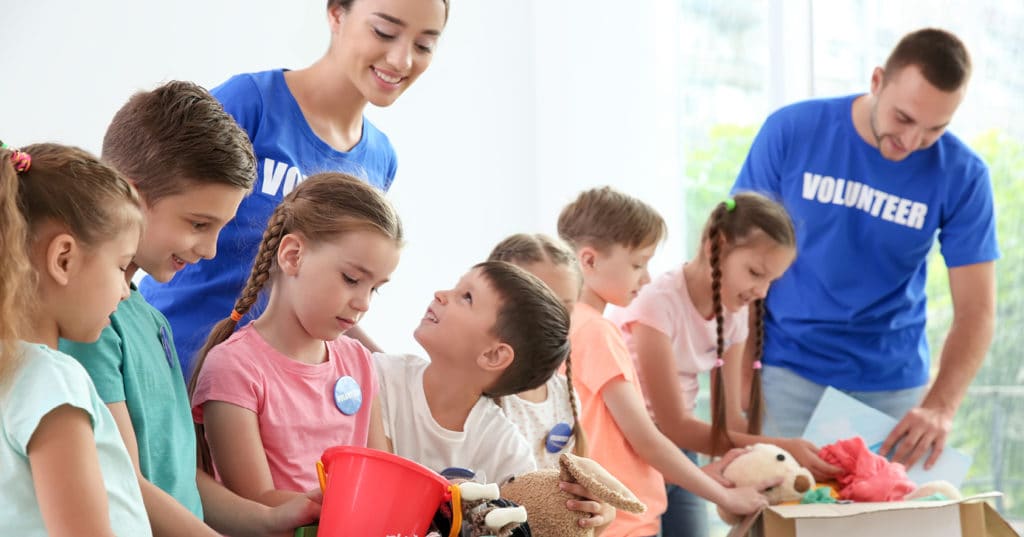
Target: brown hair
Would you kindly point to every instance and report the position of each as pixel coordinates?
(321, 208)
(177, 135)
(531, 320)
(347, 4)
(940, 55)
(63, 184)
(750, 213)
(603, 217)
(523, 249)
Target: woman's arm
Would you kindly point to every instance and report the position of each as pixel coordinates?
(67, 476)
(236, 449)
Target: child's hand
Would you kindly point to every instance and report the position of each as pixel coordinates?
(747, 500)
(715, 468)
(295, 513)
(596, 513)
(806, 454)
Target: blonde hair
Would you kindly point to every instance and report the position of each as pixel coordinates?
(523, 250)
(62, 184)
(603, 217)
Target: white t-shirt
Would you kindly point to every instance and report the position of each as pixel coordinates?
(536, 421)
(665, 305)
(490, 444)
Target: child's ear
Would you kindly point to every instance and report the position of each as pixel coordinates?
(289, 254)
(588, 258)
(63, 257)
(497, 358)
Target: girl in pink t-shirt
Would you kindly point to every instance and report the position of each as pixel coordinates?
(268, 399)
(694, 320)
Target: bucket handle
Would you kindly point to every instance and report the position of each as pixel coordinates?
(453, 490)
(321, 475)
(456, 493)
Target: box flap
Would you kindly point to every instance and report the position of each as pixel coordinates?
(838, 510)
(996, 526)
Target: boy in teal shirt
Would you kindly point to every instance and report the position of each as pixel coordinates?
(192, 165)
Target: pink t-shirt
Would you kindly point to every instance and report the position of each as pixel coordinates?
(665, 305)
(295, 402)
(599, 357)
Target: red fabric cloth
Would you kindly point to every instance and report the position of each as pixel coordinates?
(866, 477)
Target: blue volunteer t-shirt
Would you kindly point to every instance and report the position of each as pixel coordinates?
(287, 150)
(850, 311)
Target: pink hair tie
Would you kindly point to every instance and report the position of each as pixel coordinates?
(21, 160)
(719, 362)
(757, 364)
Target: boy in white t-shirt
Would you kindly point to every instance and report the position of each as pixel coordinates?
(499, 332)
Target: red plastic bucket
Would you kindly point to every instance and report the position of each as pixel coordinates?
(371, 493)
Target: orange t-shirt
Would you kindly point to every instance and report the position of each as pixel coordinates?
(599, 358)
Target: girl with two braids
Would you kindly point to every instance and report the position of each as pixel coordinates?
(695, 319)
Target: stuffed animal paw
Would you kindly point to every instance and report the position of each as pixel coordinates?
(485, 514)
(539, 492)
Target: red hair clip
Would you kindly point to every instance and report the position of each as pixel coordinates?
(21, 160)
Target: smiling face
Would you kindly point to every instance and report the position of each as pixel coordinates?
(750, 267)
(459, 323)
(183, 228)
(909, 113)
(329, 285)
(383, 46)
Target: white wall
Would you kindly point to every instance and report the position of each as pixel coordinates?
(526, 104)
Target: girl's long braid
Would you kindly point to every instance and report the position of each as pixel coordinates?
(755, 416)
(261, 270)
(719, 432)
(577, 429)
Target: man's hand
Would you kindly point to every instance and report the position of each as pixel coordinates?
(921, 430)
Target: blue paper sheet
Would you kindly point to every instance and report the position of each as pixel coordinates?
(839, 416)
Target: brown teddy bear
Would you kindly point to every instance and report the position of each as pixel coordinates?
(762, 463)
(544, 501)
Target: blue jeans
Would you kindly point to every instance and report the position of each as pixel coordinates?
(790, 400)
(687, 513)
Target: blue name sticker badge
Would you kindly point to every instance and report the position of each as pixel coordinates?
(348, 396)
(165, 342)
(558, 437)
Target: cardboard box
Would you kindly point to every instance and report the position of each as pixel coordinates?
(970, 517)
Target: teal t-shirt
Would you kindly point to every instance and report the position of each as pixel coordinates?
(134, 361)
(45, 380)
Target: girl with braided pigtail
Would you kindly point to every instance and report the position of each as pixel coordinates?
(269, 398)
(695, 319)
(544, 414)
